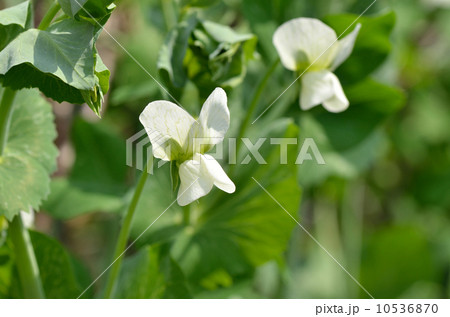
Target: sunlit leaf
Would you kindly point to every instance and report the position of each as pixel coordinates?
(60, 61)
(29, 157)
(14, 20)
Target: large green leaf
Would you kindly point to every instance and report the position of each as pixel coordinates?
(150, 274)
(57, 268)
(29, 157)
(60, 61)
(14, 20)
(372, 45)
(246, 231)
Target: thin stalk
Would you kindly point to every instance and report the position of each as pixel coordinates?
(252, 107)
(187, 215)
(352, 229)
(48, 17)
(6, 110)
(25, 259)
(123, 235)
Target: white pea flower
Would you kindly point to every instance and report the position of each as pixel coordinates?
(306, 42)
(176, 136)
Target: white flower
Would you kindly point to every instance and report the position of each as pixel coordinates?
(176, 136)
(306, 42)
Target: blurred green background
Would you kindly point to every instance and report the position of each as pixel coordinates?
(386, 219)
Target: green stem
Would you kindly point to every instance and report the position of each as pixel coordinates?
(48, 17)
(187, 215)
(123, 236)
(352, 229)
(251, 109)
(25, 259)
(6, 110)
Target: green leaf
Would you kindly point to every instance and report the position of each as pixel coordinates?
(246, 231)
(102, 72)
(56, 267)
(349, 141)
(60, 61)
(226, 238)
(172, 53)
(67, 200)
(29, 157)
(218, 55)
(87, 9)
(150, 274)
(207, 53)
(14, 20)
(372, 45)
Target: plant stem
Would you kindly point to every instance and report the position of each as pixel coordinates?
(123, 235)
(353, 228)
(251, 109)
(48, 17)
(25, 259)
(187, 215)
(6, 110)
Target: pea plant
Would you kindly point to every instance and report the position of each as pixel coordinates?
(284, 108)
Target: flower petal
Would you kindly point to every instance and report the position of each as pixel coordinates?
(221, 179)
(215, 117)
(194, 182)
(345, 47)
(303, 41)
(197, 177)
(168, 127)
(322, 88)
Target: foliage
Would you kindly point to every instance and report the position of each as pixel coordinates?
(379, 204)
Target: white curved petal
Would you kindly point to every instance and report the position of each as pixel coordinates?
(302, 41)
(167, 124)
(221, 179)
(215, 117)
(198, 176)
(322, 88)
(345, 47)
(194, 182)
